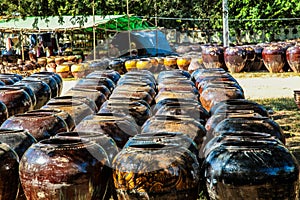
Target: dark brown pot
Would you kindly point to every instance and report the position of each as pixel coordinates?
(139, 95)
(213, 57)
(293, 58)
(76, 109)
(39, 125)
(113, 75)
(101, 88)
(203, 79)
(132, 87)
(250, 52)
(97, 82)
(206, 72)
(147, 171)
(27, 89)
(210, 82)
(65, 168)
(9, 172)
(60, 113)
(16, 100)
(117, 126)
(172, 74)
(175, 94)
(258, 62)
(57, 78)
(98, 97)
(3, 112)
(47, 79)
(274, 58)
(41, 90)
(235, 58)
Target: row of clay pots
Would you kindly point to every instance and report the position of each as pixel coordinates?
(241, 152)
(276, 57)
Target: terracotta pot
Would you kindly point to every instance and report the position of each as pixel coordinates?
(65, 160)
(98, 97)
(232, 173)
(60, 113)
(47, 79)
(214, 94)
(235, 58)
(16, 100)
(143, 179)
(40, 125)
(170, 62)
(9, 173)
(63, 70)
(183, 63)
(184, 124)
(213, 57)
(57, 78)
(113, 125)
(293, 58)
(76, 109)
(274, 58)
(113, 75)
(41, 90)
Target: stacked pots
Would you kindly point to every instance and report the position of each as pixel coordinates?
(241, 153)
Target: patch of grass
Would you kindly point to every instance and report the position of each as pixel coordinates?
(261, 74)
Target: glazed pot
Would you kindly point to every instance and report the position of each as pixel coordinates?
(170, 62)
(171, 74)
(3, 112)
(183, 62)
(85, 100)
(293, 58)
(98, 82)
(41, 90)
(117, 65)
(273, 58)
(175, 94)
(139, 95)
(235, 58)
(7, 80)
(57, 78)
(250, 52)
(40, 125)
(213, 57)
(136, 87)
(231, 172)
(152, 174)
(98, 97)
(113, 125)
(16, 100)
(113, 75)
(258, 62)
(64, 168)
(27, 89)
(214, 94)
(76, 109)
(208, 78)
(211, 82)
(78, 70)
(47, 79)
(15, 77)
(143, 64)
(207, 72)
(9, 172)
(63, 70)
(184, 124)
(60, 113)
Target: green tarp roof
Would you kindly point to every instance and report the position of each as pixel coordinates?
(109, 22)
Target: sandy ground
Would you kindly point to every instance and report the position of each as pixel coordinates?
(254, 88)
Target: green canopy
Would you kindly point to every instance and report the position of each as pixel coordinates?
(109, 22)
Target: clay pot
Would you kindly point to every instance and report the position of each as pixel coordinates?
(9, 172)
(214, 94)
(15, 77)
(231, 171)
(16, 100)
(40, 125)
(293, 58)
(274, 58)
(213, 57)
(143, 179)
(63, 70)
(170, 62)
(250, 52)
(117, 65)
(143, 64)
(103, 84)
(27, 89)
(209, 78)
(183, 63)
(207, 82)
(75, 108)
(235, 58)
(98, 97)
(136, 87)
(57, 78)
(113, 75)
(180, 123)
(171, 74)
(3, 112)
(258, 62)
(139, 95)
(65, 160)
(201, 73)
(60, 113)
(47, 79)
(172, 94)
(41, 90)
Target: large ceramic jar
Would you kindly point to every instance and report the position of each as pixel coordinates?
(213, 57)
(250, 52)
(210, 82)
(113, 75)
(16, 100)
(156, 171)
(274, 58)
(235, 58)
(57, 78)
(9, 172)
(176, 94)
(76, 109)
(40, 125)
(64, 168)
(118, 65)
(47, 79)
(143, 64)
(258, 62)
(97, 82)
(258, 169)
(293, 58)
(170, 62)
(41, 90)
(183, 62)
(27, 89)
(136, 87)
(115, 125)
(138, 94)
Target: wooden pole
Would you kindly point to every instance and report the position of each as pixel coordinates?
(129, 38)
(225, 24)
(94, 31)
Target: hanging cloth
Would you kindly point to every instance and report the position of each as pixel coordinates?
(8, 44)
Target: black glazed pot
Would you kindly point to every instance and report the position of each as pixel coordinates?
(57, 78)
(47, 79)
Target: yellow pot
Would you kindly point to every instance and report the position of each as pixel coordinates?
(143, 64)
(62, 68)
(170, 61)
(130, 64)
(42, 61)
(183, 63)
(59, 60)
